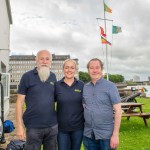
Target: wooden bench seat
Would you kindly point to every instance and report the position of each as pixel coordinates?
(136, 114)
(143, 115)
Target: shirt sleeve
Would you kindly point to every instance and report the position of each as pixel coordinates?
(114, 94)
(22, 89)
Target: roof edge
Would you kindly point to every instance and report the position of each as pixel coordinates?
(9, 11)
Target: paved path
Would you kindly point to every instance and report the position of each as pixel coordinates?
(11, 116)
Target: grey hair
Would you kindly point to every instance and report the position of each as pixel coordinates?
(43, 51)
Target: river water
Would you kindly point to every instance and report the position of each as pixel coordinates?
(138, 87)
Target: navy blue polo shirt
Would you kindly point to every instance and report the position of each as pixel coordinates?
(69, 105)
(40, 111)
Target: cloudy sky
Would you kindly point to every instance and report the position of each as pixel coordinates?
(70, 27)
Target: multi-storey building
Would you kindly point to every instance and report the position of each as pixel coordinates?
(19, 64)
(136, 78)
(57, 64)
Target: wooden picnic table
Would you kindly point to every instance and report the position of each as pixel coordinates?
(129, 108)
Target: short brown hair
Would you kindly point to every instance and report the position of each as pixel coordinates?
(96, 59)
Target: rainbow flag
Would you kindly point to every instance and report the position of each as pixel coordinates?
(104, 41)
(106, 8)
(144, 89)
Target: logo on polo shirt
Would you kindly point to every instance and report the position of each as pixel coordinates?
(77, 90)
(52, 83)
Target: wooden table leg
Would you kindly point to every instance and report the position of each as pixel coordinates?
(145, 121)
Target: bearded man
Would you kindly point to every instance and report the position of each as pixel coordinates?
(36, 89)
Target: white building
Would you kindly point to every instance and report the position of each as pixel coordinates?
(19, 64)
(5, 22)
(136, 78)
(149, 79)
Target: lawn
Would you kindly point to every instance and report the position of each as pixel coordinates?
(134, 135)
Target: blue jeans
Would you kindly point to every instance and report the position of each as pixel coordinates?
(92, 144)
(70, 140)
(46, 136)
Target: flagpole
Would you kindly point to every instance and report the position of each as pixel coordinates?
(104, 19)
(106, 44)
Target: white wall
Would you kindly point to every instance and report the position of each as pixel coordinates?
(4, 25)
(4, 34)
(5, 21)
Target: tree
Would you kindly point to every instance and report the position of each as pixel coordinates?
(115, 78)
(84, 76)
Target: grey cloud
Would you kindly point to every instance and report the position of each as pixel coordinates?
(70, 27)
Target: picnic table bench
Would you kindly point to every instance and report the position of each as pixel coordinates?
(143, 115)
(129, 111)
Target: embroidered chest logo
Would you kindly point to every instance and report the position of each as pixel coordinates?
(77, 90)
(52, 83)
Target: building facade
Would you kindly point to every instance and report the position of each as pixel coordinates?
(5, 22)
(136, 78)
(19, 64)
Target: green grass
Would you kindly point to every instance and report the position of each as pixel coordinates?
(134, 135)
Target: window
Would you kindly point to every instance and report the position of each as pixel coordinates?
(5, 80)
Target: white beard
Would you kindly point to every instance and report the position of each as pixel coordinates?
(44, 73)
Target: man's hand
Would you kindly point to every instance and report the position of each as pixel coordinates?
(21, 133)
(114, 141)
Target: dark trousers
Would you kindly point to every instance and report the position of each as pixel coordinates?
(46, 136)
(70, 140)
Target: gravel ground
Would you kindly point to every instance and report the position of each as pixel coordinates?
(12, 135)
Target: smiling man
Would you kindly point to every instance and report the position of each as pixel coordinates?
(102, 110)
(37, 90)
